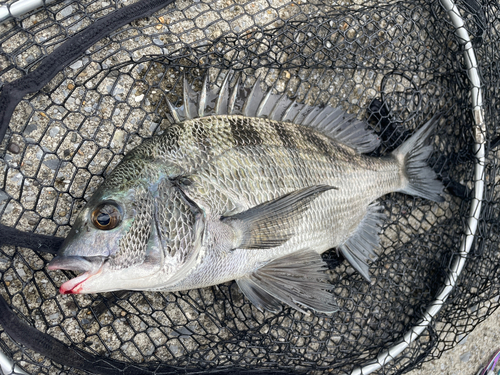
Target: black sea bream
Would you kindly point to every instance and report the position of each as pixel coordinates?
(246, 186)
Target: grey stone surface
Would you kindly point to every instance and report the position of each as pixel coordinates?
(470, 355)
(3, 196)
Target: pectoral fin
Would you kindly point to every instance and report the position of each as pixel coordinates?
(297, 279)
(272, 223)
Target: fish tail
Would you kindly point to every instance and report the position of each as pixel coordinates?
(420, 179)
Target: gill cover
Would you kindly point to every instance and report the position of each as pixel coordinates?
(180, 226)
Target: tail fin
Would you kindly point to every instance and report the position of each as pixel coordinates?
(413, 154)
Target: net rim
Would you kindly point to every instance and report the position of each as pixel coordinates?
(20, 7)
(7, 365)
(458, 262)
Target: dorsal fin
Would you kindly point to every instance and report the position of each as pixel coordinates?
(222, 97)
(203, 97)
(190, 100)
(255, 102)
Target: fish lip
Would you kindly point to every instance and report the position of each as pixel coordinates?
(73, 263)
(91, 265)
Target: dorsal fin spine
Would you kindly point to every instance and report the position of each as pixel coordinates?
(203, 97)
(262, 104)
(282, 100)
(247, 107)
(185, 97)
(333, 122)
(221, 100)
(173, 111)
(311, 116)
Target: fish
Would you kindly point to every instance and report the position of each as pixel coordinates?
(246, 185)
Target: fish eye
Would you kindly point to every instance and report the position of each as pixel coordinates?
(106, 216)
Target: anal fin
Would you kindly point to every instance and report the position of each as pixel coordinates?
(258, 296)
(359, 248)
(272, 223)
(298, 279)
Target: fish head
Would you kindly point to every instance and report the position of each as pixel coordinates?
(138, 239)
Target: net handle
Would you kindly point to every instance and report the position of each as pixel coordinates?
(479, 131)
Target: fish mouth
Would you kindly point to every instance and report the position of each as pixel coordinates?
(91, 266)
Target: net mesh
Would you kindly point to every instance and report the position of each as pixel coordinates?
(395, 63)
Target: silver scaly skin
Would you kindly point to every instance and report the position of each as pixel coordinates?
(246, 186)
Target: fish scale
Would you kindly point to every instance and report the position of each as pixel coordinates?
(324, 213)
(174, 221)
(251, 198)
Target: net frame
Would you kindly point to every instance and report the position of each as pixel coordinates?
(20, 7)
(7, 366)
(459, 261)
(479, 127)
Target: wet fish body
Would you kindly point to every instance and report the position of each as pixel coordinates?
(246, 186)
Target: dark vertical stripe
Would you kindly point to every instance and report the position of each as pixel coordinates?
(316, 140)
(286, 136)
(291, 144)
(244, 133)
(201, 137)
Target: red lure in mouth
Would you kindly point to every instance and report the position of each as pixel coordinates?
(74, 286)
(91, 266)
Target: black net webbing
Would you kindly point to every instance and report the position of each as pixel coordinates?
(83, 82)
